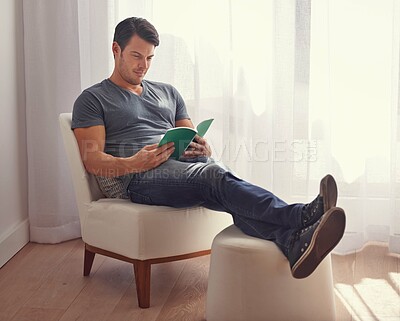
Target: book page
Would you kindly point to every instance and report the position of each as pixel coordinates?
(203, 127)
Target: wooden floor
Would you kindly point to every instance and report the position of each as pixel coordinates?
(45, 283)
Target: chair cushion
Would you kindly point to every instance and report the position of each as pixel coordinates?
(144, 232)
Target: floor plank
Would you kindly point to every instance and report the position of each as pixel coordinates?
(343, 277)
(38, 314)
(187, 299)
(45, 282)
(163, 278)
(62, 286)
(376, 297)
(102, 292)
(16, 261)
(22, 280)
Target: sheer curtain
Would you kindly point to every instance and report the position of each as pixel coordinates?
(354, 113)
(247, 65)
(67, 48)
(297, 88)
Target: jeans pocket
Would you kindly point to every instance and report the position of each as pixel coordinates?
(139, 198)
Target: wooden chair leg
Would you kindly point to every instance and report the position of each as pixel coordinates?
(142, 271)
(88, 261)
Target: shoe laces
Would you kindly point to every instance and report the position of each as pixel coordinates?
(311, 209)
(299, 233)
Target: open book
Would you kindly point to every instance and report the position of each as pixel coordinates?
(183, 136)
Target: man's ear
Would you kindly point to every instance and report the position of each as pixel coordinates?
(116, 49)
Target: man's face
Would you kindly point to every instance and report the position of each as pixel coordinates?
(134, 61)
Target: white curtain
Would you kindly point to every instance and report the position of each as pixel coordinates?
(297, 88)
(354, 113)
(67, 45)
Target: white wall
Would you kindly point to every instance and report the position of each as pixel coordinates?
(14, 225)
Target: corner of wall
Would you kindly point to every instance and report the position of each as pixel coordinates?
(13, 240)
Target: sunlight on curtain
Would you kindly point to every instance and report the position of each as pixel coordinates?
(234, 61)
(297, 89)
(354, 91)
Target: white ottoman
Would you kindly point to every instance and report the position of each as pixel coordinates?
(250, 280)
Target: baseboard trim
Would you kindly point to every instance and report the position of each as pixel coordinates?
(14, 240)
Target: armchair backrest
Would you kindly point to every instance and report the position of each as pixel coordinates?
(85, 184)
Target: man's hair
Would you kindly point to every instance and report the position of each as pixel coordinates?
(131, 26)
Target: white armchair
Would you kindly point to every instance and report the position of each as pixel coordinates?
(140, 234)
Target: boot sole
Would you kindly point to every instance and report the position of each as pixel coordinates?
(327, 235)
(328, 190)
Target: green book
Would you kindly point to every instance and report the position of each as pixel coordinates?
(183, 136)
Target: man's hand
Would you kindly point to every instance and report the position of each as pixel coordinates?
(151, 156)
(91, 141)
(199, 147)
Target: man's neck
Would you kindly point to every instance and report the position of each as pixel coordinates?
(136, 89)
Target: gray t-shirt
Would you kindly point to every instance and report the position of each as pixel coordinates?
(131, 121)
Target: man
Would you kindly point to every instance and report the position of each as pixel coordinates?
(118, 123)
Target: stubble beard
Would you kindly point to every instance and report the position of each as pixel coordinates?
(126, 74)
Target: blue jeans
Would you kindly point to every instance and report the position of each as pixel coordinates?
(256, 211)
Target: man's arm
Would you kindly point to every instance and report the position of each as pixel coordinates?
(184, 123)
(199, 147)
(91, 141)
